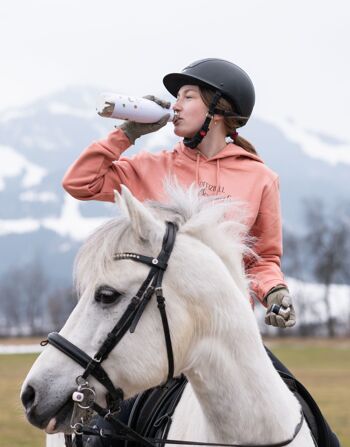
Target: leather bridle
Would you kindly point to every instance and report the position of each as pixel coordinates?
(128, 321)
(84, 397)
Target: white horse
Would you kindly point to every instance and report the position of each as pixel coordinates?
(234, 393)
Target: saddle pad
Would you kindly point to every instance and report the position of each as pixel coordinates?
(151, 415)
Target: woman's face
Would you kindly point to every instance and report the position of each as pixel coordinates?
(191, 111)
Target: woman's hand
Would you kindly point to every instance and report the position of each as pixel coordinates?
(280, 311)
(135, 130)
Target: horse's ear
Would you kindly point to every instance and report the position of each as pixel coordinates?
(142, 220)
(118, 199)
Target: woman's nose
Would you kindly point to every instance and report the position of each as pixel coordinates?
(176, 106)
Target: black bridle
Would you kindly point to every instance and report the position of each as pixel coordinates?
(84, 397)
(128, 321)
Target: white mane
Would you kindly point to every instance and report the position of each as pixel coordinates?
(202, 217)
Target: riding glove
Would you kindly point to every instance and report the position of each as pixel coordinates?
(280, 297)
(135, 130)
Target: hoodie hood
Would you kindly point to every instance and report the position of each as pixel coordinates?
(230, 150)
(226, 157)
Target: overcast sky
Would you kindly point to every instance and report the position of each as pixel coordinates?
(296, 51)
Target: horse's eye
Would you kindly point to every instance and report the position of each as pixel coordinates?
(106, 295)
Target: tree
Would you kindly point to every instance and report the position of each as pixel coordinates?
(294, 266)
(23, 292)
(60, 304)
(11, 300)
(328, 244)
(36, 285)
(293, 258)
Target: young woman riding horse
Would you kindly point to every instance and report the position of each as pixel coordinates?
(214, 98)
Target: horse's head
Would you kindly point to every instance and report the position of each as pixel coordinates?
(203, 271)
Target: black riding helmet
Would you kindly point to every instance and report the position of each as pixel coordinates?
(225, 79)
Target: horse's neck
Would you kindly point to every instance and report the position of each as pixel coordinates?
(240, 397)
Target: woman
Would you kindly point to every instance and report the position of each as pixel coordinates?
(214, 98)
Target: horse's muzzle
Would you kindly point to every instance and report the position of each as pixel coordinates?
(41, 418)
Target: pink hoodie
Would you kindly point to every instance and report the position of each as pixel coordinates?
(233, 172)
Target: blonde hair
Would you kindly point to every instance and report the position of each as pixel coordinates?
(231, 122)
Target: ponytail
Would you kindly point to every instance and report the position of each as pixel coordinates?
(243, 143)
(231, 123)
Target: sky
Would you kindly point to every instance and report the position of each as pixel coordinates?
(295, 51)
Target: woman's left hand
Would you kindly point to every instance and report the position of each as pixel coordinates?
(280, 311)
(134, 130)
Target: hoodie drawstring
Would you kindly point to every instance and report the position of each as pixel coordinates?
(217, 176)
(197, 169)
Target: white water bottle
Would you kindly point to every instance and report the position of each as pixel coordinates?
(141, 110)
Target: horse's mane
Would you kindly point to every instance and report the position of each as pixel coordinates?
(217, 222)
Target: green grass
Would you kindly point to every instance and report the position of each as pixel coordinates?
(14, 428)
(322, 366)
(325, 372)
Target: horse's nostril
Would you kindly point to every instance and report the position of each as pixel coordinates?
(28, 397)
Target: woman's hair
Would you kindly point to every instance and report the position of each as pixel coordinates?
(231, 123)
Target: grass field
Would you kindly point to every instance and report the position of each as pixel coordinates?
(323, 366)
(14, 429)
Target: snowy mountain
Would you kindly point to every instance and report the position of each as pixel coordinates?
(39, 142)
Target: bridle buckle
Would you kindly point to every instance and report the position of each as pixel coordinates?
(84, 397)
(78, 428)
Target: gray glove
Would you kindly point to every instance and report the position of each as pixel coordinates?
(280, 311)
(135, 130)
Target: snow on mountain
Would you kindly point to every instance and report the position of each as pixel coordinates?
(40, 141)
(13, 164)
(32, 196)
(71, 223)
(60, 108)
(16, 226)
(317, 145)
(14, 114)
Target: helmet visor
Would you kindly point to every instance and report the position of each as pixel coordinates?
(174, 81)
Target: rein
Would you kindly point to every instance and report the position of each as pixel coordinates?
(128, 434)
(84, 396)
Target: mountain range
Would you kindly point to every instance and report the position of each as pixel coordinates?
(38, 143)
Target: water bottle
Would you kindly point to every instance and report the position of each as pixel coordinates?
(141, 110)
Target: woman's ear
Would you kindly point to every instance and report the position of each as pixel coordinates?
(218, 118)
